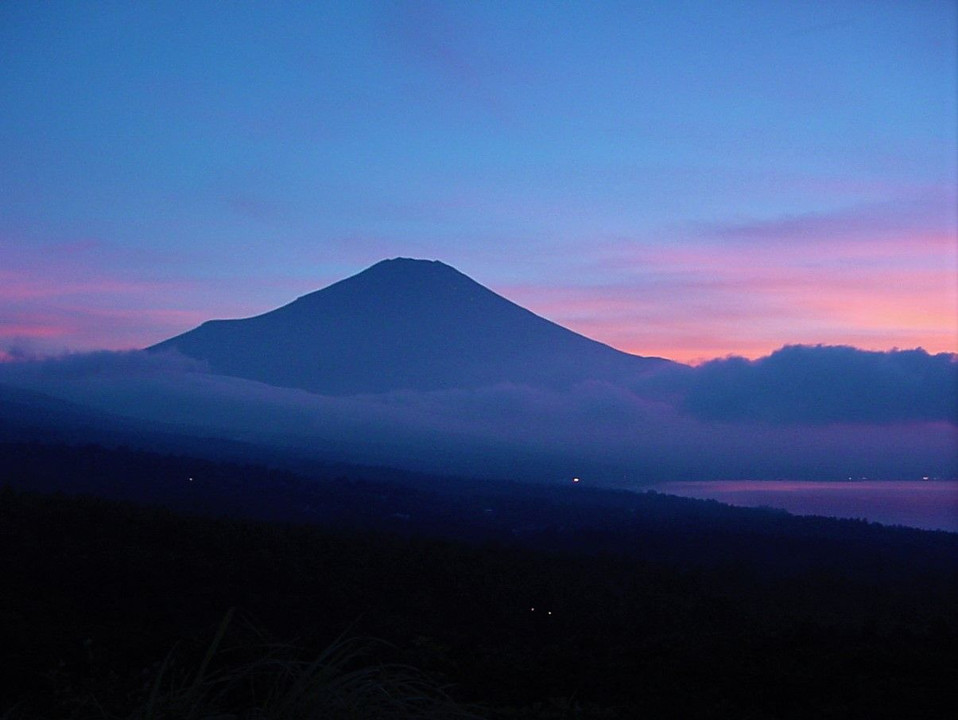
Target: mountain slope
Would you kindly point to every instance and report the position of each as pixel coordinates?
(403, 324)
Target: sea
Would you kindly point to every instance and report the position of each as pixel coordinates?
(924, 504)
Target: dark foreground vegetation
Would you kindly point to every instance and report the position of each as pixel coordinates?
(120, 569)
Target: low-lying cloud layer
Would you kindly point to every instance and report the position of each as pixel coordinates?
(817, 385)
(800, 413)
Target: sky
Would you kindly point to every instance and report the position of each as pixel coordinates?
(684, 179)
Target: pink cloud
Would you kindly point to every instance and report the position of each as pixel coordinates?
(877, 277)
(18, 287)
(929, 211)
(86, 294)
(21, 330)
(52, 329)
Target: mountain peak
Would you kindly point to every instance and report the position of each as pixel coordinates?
(407, 262)
(400, 285)
(411, 268)
(403, 324)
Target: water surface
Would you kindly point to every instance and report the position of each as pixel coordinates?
(930, 505)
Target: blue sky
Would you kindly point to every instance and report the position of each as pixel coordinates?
(687, 179)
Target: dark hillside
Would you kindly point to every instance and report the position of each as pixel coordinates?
(643, 604)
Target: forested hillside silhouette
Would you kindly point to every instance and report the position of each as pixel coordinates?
(530, 601)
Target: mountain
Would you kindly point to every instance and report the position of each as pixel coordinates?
(403, 324)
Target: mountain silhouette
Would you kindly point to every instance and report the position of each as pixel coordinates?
(404, 324)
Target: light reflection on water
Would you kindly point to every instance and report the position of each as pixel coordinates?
(931, 504)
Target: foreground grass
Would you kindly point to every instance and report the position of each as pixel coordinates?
(267, 681)
(340, 683)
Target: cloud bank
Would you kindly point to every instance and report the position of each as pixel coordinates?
(800, 413)
(817, 385)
